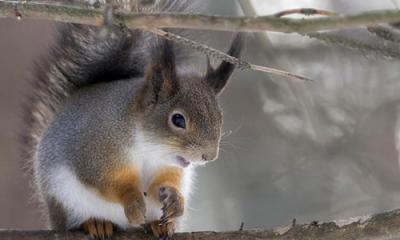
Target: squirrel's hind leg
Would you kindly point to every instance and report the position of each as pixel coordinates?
(98, 229)
(95, 228)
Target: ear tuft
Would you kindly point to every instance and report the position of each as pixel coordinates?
(210, 68)
(219, 77)
(161, 78)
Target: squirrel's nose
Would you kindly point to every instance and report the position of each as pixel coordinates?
(210, 153)
(210, 156)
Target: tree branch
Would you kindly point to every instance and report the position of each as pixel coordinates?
(367, 49)
(60, 11)
(380, 226)
(54, 10)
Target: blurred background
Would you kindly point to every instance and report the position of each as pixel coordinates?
(311, 151)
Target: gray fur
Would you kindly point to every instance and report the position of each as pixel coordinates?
(91, 131)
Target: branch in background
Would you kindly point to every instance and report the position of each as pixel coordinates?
(363, 47)
(380, 226)
(385, 33)
(60, 11)
(395, 25)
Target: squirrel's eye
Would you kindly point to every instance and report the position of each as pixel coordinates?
(178, 120)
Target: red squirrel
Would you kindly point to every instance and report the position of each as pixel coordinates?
(115, 130)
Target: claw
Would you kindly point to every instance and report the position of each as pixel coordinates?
(172, 203)
(164, 221)
(162, 230)
(98, 229)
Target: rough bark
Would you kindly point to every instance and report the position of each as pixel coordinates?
(379, 226)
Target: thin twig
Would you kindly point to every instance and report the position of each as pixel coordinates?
(279, 72)
(385, 33)
(368, 49)
(343, 41)
(241, 226)
(212, 52)
(202, 48)
(59, 10)
(109, 13)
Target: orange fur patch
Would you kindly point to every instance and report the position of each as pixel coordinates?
(122, 184)
(167, 176)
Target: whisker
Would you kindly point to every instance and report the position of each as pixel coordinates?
(226, 133)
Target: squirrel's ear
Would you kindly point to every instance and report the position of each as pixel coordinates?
(218, 78)
(161, 78)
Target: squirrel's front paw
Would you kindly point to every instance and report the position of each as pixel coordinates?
(173, 203)
(135, 211)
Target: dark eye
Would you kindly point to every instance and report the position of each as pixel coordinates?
(178, 120)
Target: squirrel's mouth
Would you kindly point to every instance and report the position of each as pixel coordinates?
(182, 161)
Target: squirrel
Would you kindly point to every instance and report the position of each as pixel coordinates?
(115, 130)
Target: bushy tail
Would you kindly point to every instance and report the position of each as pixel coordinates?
(82, 56)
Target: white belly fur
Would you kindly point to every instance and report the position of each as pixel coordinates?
(82, 203)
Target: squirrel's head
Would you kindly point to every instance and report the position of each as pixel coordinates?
(180, 115)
